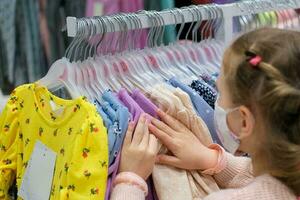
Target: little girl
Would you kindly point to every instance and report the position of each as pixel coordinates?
(257, 112)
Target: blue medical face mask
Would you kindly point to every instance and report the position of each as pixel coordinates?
(230, 142)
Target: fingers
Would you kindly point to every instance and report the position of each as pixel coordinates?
(139, 131)
(168, 160)
(153, 144)
(166, 139)
(170, 121)
(163, 127)
(145, 139)
(128, 136)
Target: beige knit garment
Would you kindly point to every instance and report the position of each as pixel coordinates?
(168, 180)
(236, 179)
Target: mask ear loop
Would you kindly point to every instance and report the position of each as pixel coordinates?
(227, 110)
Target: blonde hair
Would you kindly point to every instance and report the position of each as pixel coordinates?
(272, 89)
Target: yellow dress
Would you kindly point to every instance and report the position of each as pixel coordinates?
(71, 128)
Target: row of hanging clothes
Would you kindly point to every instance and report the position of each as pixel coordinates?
(285, 19)
(31, 33)
(81, 109)
(179, 78)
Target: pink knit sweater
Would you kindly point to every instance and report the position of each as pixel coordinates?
(236, 179)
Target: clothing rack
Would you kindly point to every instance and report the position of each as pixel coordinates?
(228, 11)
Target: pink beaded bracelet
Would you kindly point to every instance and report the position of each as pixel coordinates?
(222, 161)
(131, 178)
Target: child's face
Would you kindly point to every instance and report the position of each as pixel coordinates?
(241, 121)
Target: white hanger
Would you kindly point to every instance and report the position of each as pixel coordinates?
(133, 71)
(60, 75)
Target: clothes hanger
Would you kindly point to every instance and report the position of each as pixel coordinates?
(134, 72)
(194, 66)
(61, 73)
(147, 53)
(209, 42)
(89, 70)
(144, 67)
(187, 74)
(190, 63)
(217, 46)
(77, 58)
(155, 55)
(206, 66)
(139, 73)
(75, 55)
(158, 49)
(206, 46)
(85, 64)
(104, 65)
(196, 46)
(206, 31)
(96, 86)
(116, 60)
(96, 68)
(179, 51)
(141, 56)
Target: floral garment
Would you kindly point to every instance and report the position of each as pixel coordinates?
(71, 128)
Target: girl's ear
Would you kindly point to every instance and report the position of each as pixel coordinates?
(247, 122)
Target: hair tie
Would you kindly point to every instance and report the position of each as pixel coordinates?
(253, 58)
(255, 61)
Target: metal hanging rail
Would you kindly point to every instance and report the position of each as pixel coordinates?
(145, 22)
(225, 32)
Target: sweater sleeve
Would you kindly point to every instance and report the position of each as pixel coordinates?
(129, 186)
(125, 191)
(237, 173)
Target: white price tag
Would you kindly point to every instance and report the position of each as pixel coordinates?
(37, 179)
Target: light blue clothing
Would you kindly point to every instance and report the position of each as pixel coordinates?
(115, 117)
(201, 107)
(109, 111)
(110, 131)
(112, 99)
(104, 116)
(117, 112)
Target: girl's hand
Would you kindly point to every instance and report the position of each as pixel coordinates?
(139, 149)
(188, 151)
